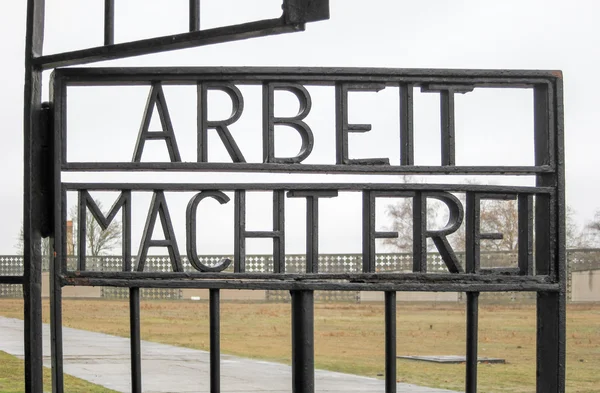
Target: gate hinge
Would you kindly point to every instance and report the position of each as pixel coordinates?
(44, 169)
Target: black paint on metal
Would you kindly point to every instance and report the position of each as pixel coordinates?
(303, 345)
(109, 22)
(32, 206)
(541, 224)
(472, 338)
(296, 122)
(215, 340)
(194, 15)
(312, 224)
(221, 126)
(191, 226)
(135, 340)
(390, 342)
(156, 98)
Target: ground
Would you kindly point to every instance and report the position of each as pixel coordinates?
(349, 337)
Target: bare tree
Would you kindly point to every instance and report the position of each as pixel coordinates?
(20, 245)
(401, 216)
(98, 241)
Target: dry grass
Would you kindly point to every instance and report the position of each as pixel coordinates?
(349, 337)
(12, 381)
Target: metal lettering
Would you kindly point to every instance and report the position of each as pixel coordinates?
(221, 126)
(343, 128)
(191, 226)
(270, 121)
(158, 207)
(157, 98)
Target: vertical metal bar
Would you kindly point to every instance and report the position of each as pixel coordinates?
(32, 263)
(135, 340)
(368, 236)
(312, 235)
(550, 238)
(215, 341)
(525, 236)
(303, 347)
(109, 22)
(407, 156)
(239, 239)
(419, 229)
(551, 341)
(56, 336)
(279, 226)
(472, 330)
(194, 15)
(390, 342)
(447, 126)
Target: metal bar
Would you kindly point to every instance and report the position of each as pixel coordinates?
(551, 342)
(304, 168)
(312, 235)
(279, 226)
(303, 347)
(390, 342)
(167, 43)
(407, 156)
(135, 340)
(12, 280)
(368, 232)
(550, 231)
(109, 22)
(424, 284)
(194, 15)
(525, 236)
(32, 272)
(297, 187)
(309, 75)
(239, 239)
(472, 331)
(362, 277)
(215, 341)
(447, 127)
(56, 336)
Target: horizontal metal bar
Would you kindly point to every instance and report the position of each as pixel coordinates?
(362, 277)
(166, 43)
(304, 168)
(387, 187)
(11, 280)
(422, 285)
(110, 75)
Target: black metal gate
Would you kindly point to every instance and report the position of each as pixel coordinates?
(541, 259)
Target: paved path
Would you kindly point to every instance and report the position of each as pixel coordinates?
(104, 360)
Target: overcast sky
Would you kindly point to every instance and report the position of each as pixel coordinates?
(525, 34)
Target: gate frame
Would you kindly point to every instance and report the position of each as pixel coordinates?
(39, 201)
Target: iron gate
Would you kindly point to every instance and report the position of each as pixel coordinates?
(541, 259)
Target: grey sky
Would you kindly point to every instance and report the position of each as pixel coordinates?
(426, 34)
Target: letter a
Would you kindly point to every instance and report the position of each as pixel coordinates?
(158, 208)
(157, 97)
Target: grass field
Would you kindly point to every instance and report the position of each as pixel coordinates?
(12, 381)
(349, 337)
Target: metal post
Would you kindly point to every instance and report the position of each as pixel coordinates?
(472, 330)
(32, 266)
(303, 346)
(390, 342)
(135, 340)
(215, 341)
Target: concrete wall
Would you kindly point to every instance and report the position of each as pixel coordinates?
(226, 294)
(585, 286)
(69, 291)
(411, 296)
